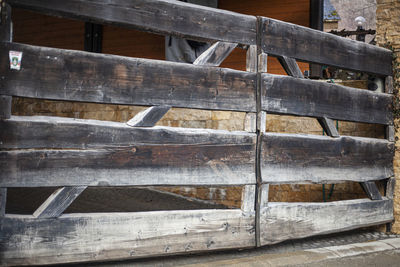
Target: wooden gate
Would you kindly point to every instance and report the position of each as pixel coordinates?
(74, 154)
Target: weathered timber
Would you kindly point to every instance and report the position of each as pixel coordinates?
(121, 155)
(3, 201)
(58, 202)
(390, 186)
(5, 23)
(290, 66)
(216, 54)
(5, 106)
(328, 126)
(251, 59)
(293, 158)
(285, 39)
(100, 237)
(389, 84)
(284, 221)
(160, 16)
(371, 190)
(89, 77)
(262, 62)
(148, 117)
(248, 199)
(303, 97)
(250, 122)
(389, 133)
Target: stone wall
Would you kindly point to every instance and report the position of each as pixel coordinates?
(388, 35)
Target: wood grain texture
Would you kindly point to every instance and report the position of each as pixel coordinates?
(248, 199)
(390, 187)
(303, 97)
(371, 190)
(159, 16)
(329, 127)
(284, 221)
(58, 202)
(302, 43)
(102, 237)
(215, 54)
(3, 201)
(5, 107)
(80, 76)
(389, 84)
(148, 117)
(117, 154)
(292, 158)
(290, 66)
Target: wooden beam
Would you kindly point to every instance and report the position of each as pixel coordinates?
(329, 127)
(248, 199)
(293, 158)
(290, 66)
(5, 22)
(389, 133)
(371, 190)
(114, 236)
(303, 97)
(251, 59)
(119, 155)
(58, 202)
(159, 16)
(285, 39)
(389, 85)
(3, 201)
(5, 107)
(390, 187)
(284, 221)
(81, 76)
(215, 54)
(148, 117)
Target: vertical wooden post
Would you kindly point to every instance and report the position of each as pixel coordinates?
(3, 199)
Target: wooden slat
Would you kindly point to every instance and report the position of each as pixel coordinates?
(80, 76)
(284, 221)
(5, 107)
(99, 237)
(302, 43)
(248, 199)
(328, 126)
(292, 158)
(148, 117)
(121, 155)
(290, 66)
(58, 202)
(303, 97)
(5, 22)
(160, 16)
(215, 54)
(3, 201)
(371, 190)
(390, 187)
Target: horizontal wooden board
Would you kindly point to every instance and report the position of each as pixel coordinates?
(104, 237)
(160, 16)
(293, 158)
(284, 221)
(280, 38)
(81, 76)
(304, 97)
(69, 152)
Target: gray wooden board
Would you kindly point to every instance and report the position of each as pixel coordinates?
(371, 190)
(290, 66)
(328, 126)
(3, 201)
(117, 154)
(303, 97)
(112, 236)
(294, 158)
(5, 23)
(148, 117)
(284, 221)
(160, 16)
(216, 54)
(58, 202)
(285, 39)
(5, 106)
(89, 77)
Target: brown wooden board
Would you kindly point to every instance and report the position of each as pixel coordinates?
(284, 221)
(102, 237)
(160, 16)
(81, 76)
(72, 152)
(293, 158)
(285, 39)
(303, 97)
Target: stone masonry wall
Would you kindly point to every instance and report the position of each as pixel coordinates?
(388, 35)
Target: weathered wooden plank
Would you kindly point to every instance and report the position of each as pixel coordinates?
(262, 62)
(371, 190)
(215, 54)
(104, 237)
(251, 59)
(81, 76)
(5, 22)
(389, 133)
(284, 221)
(148, 117)
(284, 39)
(292, 158)
(248, 199)
(160, 16)
(290, 66)
(121, 155)
(389, 84)
(390, 187)
(3, 201)
(303, 97)
(5, 107)
(58, 202)
(328, 126)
